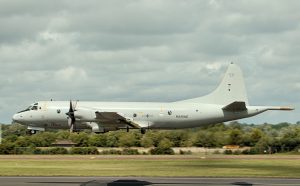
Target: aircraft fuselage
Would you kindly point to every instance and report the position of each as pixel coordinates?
(52, 114)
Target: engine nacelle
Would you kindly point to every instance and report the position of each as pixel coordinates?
(85, 115)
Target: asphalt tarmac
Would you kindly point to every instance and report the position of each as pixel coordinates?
(143, 181)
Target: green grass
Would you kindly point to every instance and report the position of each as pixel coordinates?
(215, 166)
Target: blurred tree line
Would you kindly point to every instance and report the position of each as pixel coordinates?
(282, 137)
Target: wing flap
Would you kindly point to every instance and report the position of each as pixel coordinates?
(236, 106)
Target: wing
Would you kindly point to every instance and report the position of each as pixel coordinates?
(108, 116)
(114, 118)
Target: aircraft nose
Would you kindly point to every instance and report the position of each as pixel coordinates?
(16, 117)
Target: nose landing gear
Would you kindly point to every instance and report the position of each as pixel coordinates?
(31, 132)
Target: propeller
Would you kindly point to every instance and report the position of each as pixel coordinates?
(71, 116)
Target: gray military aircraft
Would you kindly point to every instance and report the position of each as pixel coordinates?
(228, 102)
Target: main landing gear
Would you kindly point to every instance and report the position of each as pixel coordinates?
(143, 130)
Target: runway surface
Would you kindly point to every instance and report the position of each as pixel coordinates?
(143, 181)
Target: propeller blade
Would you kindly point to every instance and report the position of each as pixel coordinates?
(71, 117)
(71, 107)
(70, 122)
(72, 128)
(74, 106)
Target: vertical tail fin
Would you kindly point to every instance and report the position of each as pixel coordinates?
(231, 89)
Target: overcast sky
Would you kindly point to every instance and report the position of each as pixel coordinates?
(148, 50)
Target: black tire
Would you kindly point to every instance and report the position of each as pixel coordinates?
(143, 130)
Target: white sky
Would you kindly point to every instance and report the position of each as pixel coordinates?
(148, 50)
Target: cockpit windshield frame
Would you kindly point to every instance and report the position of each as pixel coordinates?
(31, 107)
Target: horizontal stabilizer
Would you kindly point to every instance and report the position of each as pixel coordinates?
(236, 106)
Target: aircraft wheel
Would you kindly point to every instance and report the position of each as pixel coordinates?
(31, 132)
(143, 130)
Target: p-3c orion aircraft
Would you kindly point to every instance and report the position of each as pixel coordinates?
(228, 102)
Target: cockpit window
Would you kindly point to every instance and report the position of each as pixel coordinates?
(35, 107)
(27, 109)
(31, 107)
